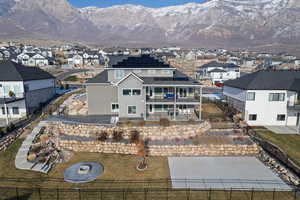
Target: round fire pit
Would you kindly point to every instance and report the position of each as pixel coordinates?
(83, 172)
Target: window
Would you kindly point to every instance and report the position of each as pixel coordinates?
(136, 92)
(276, 97)
(252, 117)
(280, 117)
(15, 110)
(114, 107)
(131, 110)
(3, 111)
(119, 74)
(127, 92)
(251, 96)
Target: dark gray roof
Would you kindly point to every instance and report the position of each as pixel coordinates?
(178, 78)
(142, 61)
(268, 80)
(100, 78)
(217, 64)
(11, 71)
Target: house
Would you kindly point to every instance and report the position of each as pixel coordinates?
(297, 62)
(23, 89)
(218, 72)
(38, 60)
(249, 62)
(143, 87)
(75, 59)
(266, 97)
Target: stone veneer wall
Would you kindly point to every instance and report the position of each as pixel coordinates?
(154, 150)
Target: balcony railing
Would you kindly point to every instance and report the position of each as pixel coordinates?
(294, 105)
(171, 98)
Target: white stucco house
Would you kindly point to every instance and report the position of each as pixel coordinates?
(266, 98)
(218, 72)
(23, 89)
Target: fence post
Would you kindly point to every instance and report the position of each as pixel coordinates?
(79, 193)
(230, 193)
(124, 194)
(40, 196)
(252, 193)
(273, 196)
(209, 194)
(295, 194)
(145, 193)
(17, 193)
(57, 194)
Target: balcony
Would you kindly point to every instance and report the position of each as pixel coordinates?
(170, 98)
(294, 105)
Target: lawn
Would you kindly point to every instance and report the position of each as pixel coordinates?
(287, 142)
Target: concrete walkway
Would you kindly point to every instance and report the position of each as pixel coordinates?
(284, 129)
(21, 161)
(223, 173)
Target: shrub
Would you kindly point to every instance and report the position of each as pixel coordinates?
(11, 94)
(117, 136)
(103, 136)
(2, 132)
(134, 136)
(164, 122)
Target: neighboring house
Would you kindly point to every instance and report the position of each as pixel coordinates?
(38, 61)
(23, 89)
(75, 59)
(266, 97)
(218, 72)
(143, 87)
(297, 62)
(249, 62)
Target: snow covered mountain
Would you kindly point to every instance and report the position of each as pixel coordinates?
(235, 23)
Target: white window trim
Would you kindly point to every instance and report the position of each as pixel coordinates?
(112, 108)
(128, 110)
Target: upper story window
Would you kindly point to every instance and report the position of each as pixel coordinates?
(250, 96)
(136, 92)
(276, 96)
(119, 74)
(126, 92)
(131, 92)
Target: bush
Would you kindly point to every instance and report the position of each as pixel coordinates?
(117, 136)
(134, 136)
(2, 132)
(103, 136)
(164, 122)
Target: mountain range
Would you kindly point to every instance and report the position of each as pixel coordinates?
(214, 23)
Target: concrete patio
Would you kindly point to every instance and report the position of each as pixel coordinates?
(284, 129)
(223, 173)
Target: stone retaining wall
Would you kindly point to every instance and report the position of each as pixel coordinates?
(154, 150)
(153, 133)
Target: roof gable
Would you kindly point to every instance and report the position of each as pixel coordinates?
(130, 75)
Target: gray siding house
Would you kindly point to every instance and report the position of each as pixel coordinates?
(143, 87)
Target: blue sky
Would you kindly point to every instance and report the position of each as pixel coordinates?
(148, 3)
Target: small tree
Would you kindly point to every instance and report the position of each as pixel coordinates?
(117, 136)
(141, 152)
(134, 136)
(103, 136)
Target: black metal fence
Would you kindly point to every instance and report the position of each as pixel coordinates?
(10, 193)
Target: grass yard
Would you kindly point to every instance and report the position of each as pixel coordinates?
(288, 143)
